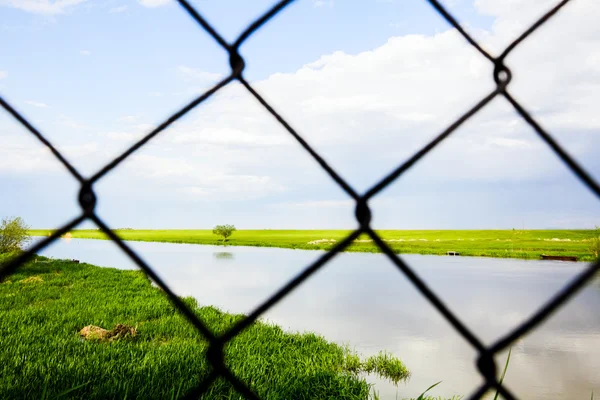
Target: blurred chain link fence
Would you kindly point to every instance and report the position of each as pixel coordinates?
(502, 77)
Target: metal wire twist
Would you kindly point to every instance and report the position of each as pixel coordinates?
(502, 76)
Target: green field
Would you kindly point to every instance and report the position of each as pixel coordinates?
(45, 304)
(482, 243)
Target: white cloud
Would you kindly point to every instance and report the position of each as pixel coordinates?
(189, 73)
(154, 3)
(228, 187)
(513, 17)
(321, 204)
(19, 156)
(144, 127)
(42, 6)
(513, 8)
(132, 132)
(195, 180)
(507, 142)
(386, 103)
(224, 136)
(72, 124)
(85, 52)
(321, 3)
(3, 74)
(119, 136)
(119, 9)
(78, 150)
(151, 166)
(128, 119)
(36, 104)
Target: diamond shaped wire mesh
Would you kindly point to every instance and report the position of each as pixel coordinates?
(215, 354)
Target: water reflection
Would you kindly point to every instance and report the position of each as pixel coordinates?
(223, 255)
(362, 300)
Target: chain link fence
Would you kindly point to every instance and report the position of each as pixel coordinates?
(215, 354)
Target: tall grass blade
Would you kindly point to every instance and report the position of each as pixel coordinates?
(503, 372)
(61, 394)
(44, 391)
(178, 394)
(422, 396)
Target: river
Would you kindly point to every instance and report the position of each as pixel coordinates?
(363, 300)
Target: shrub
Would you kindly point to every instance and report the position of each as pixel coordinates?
(13, 234)
(224, 230)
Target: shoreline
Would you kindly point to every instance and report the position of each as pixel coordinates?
(529, 245)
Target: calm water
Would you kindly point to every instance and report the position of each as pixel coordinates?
(363, 300)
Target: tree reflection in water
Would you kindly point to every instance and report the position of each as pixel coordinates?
(223, 255)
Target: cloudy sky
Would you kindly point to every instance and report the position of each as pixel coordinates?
(366, 83)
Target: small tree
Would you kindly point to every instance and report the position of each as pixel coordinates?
(224, 230)
(13, 234)
(595, 243)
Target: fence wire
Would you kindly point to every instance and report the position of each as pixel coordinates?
(502, 76)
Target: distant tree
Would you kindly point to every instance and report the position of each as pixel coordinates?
(13, 234)
(224, 231)
(595, 243)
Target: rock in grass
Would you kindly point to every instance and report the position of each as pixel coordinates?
(120, 331)
(92, 332)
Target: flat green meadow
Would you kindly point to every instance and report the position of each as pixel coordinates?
(528, 244)
(45, 304)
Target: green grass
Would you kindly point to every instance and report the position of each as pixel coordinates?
(423, 396)
(528, 244)
(503, 372)
(45, 304)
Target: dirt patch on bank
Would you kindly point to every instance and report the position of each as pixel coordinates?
(320, 241)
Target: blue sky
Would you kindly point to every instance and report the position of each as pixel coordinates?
(365, 82)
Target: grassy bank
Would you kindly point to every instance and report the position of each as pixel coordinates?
(482, 243)
(45, 304)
